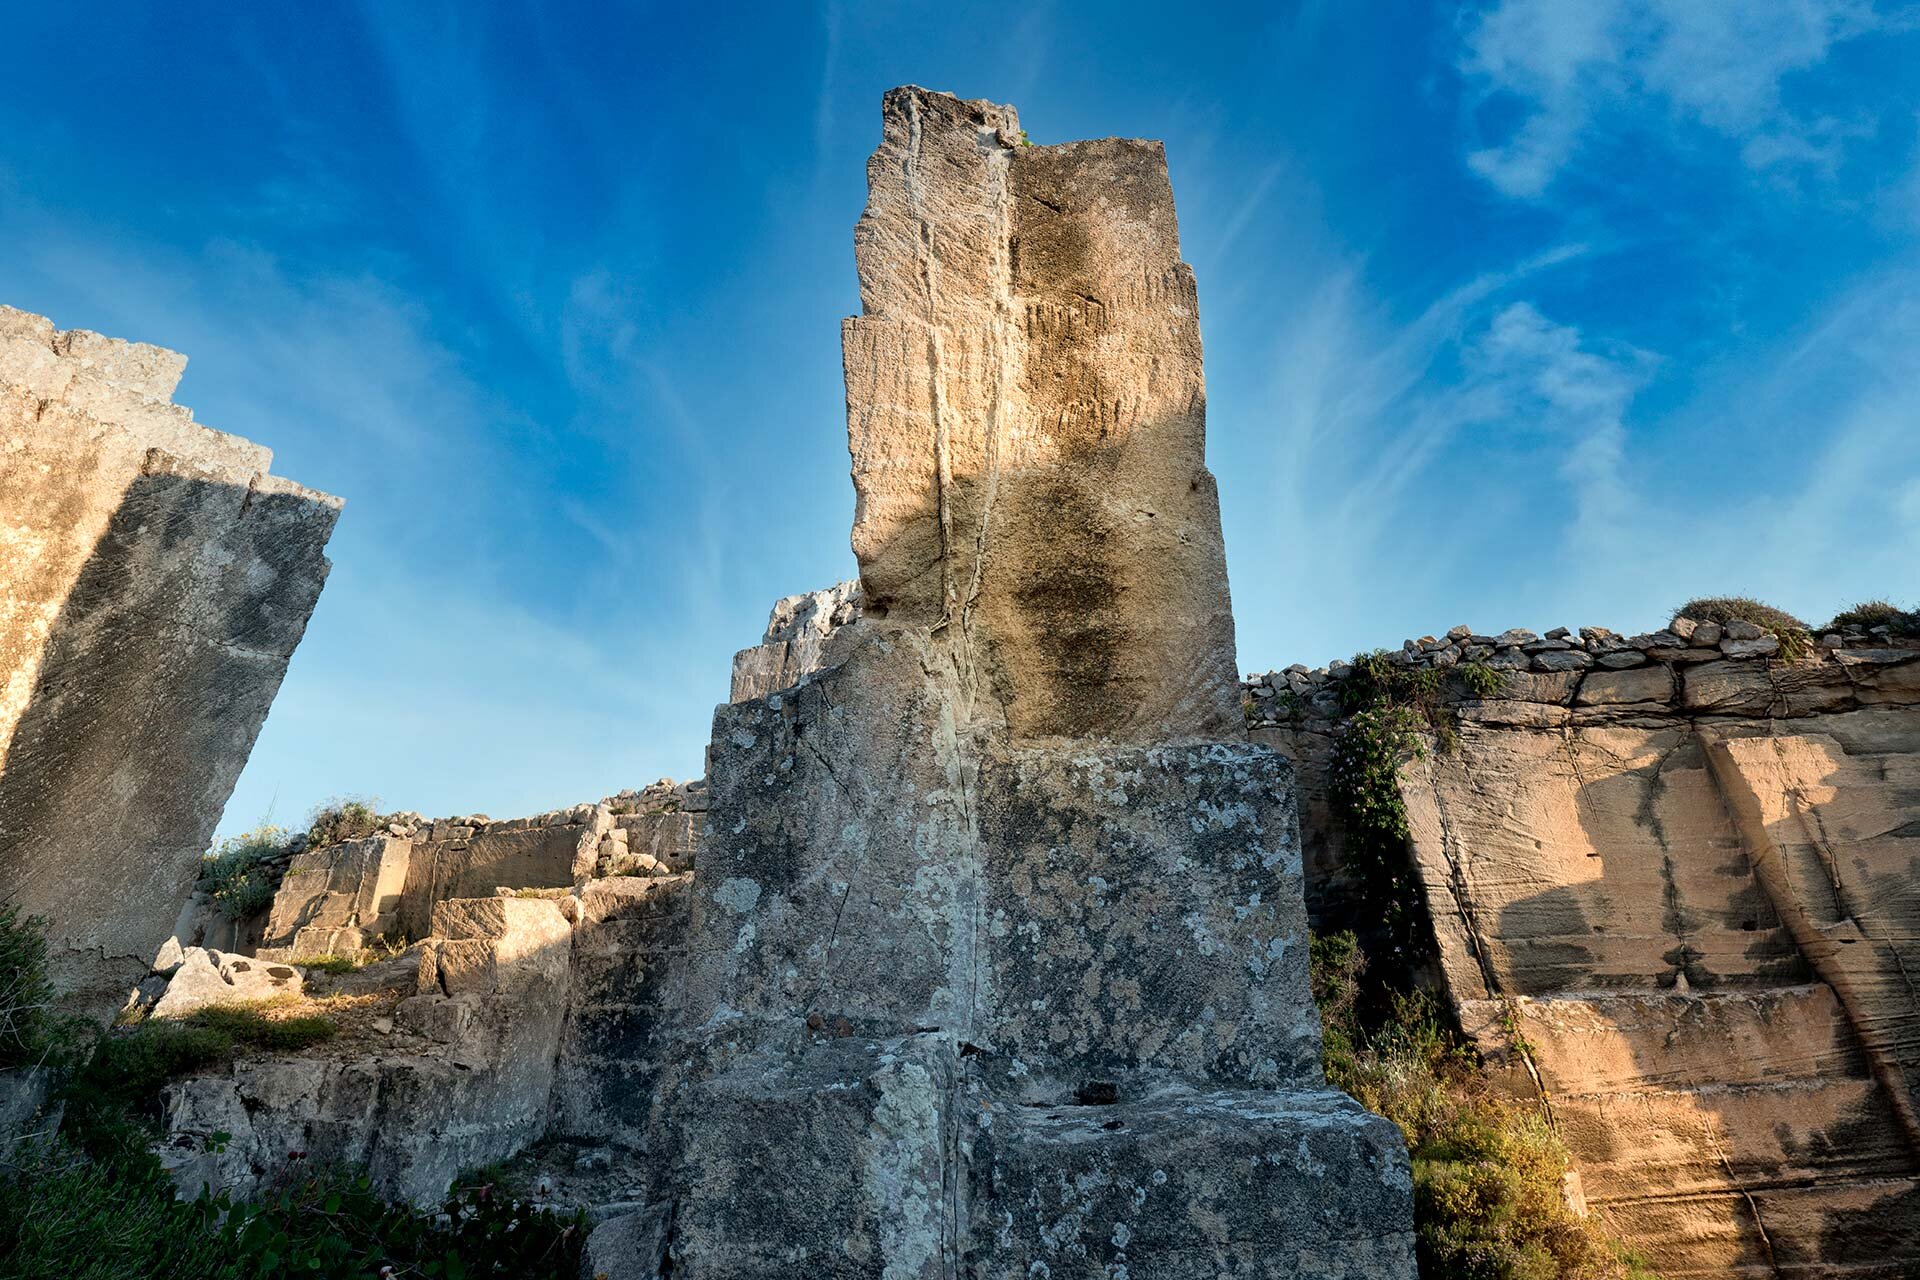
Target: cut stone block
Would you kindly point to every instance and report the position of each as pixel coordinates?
(354, 887)
(1190, 1186)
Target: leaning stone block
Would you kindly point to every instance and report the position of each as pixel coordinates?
(154, 580)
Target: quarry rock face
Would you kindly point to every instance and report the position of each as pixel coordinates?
(998, 962)
(154, 580)
(1027, 419)
(1688, 877)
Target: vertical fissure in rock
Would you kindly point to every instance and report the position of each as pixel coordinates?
(1001, 353)
(936, 356)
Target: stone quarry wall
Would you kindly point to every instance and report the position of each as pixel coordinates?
(998, 959)
(522, 998)
(1674, 883)
(154, 580)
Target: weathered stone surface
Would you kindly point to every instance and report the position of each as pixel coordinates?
(154, 580)
(628, 989)
(1143, 913)
(834, 1161)
(1643, 684)
(795, 642)
(1189, 1186)
(214, 977)
(1026, 416)
(1836, 846)
(544, 857)
(997, 852)
(466, 1079)
(496, 946)
(671, 839)
(334, 899)
(1705, 935)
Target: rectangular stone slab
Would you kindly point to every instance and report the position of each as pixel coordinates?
(1190, 1186)
(1143, 912)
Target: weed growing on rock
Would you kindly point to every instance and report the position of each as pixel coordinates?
(255, 1025)
(32, 1030)
(344, 818)
(113, 1101)
(68, 1217)
(1796, 640)
(331, 964)
(243, 872)
(1869, 614)
(1487, 1169)
(96, 1204)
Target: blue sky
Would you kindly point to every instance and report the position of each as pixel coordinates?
(1517, 314)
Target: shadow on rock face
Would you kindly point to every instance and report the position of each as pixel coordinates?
(156, 676)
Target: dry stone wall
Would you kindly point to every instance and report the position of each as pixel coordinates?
(1674, 883)
(154, 580)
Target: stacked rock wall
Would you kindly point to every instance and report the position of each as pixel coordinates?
(1674, 882)
(154, 580)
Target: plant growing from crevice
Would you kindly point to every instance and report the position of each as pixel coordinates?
(1393, 710)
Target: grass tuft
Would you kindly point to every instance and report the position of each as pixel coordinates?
(1869, 614)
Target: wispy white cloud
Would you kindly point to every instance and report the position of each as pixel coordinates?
(1570, 70)
(1527, 373)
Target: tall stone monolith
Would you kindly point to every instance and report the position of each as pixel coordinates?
(154, 580)
(999, 960)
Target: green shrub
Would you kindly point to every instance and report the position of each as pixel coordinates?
(32, 1031)
(1481, 679)
(349, 818)
(1363, 790)
(1869, 614)
(1796, 640)
(239, 873)
(1487, 1169)
(337, 1226)
(26, 995)
(66, 1217)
